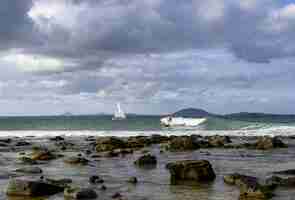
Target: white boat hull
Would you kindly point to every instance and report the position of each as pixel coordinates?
(180, 121)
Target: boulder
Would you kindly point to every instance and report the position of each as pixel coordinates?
(80, 193)
(22, 187)
(218, 141)
(29, 170)
(183, 143)
(57, 138)
(146, 160)
(6, 140)
(265, 143)
(250, 188)
(109, 144)
(137, 142)
(74, 160)
(190, 170)
(43, 154)
(65, 182)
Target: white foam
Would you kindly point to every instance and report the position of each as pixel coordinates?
(272, 131)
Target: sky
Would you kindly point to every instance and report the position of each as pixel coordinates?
(152, 56)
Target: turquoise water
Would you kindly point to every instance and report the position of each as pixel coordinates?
(132, 123)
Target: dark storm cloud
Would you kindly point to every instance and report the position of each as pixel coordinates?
(16, 28)
(108, 28)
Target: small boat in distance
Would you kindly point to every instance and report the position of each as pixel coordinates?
(119, 114)
(181, 121)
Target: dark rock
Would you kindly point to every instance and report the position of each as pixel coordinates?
(43, 154)
(133, 180)
(76, 160)
(6, 140)
(147, 159)
(218, 141)
(27, 160)
(265, 143)
(29, 170)
(95, 180)
(250, 188)
(22, 143)
(137, 142)
(284, 182)
(80, 193)
(57, 138)
(117, 195)
(88, 152)
(103, 187)
(4, 144)
(90, 139)
(157, 139)
(65, 182)
(190, 170)
(286, 172)
(21, 187)
(183, 143)
(109, 144)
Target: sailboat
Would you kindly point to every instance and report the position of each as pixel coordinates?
(119, 114)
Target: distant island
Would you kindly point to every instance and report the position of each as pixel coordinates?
(243, 116)
(192, 112)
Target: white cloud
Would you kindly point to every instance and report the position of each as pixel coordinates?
(35, 63)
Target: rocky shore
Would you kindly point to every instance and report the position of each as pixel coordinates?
(147, 167)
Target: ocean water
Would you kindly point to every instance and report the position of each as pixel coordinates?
(138, 125)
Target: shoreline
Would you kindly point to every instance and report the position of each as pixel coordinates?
(272, 132)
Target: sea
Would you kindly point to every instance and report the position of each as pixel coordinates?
(96, 125)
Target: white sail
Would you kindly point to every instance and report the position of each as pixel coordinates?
(119, 113)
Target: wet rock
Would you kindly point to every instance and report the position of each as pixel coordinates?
(190, 170)
(6, 140)
(22, 143)
(4, 144)
(286, 172)
(250, 188)
(218, 141)
(80, 193)
(57, 138)
(265, 143)
(43, 154)
(95, 180)
(132, 180)
(158, 139)
(74, 160)
(109, 144)
(137, 142)
(90, 139)
(103, 187)
(88, 152)
(64, 144)
(146, 160)
(279, 181)
(29, 170)
(22, 187)
(27, 160)
(117, 195)
(183, 143)
(65, 182)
